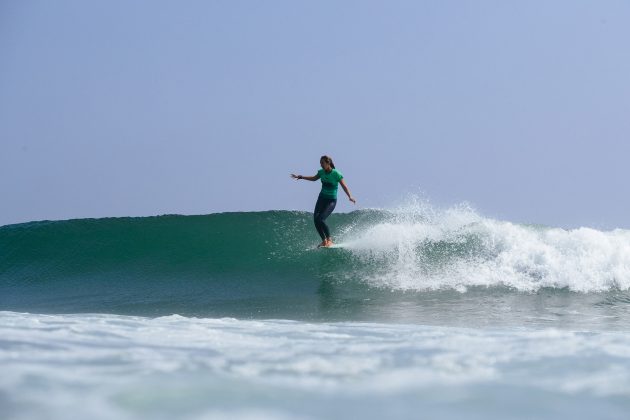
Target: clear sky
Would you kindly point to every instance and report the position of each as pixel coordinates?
(132, 108)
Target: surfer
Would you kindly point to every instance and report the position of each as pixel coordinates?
(327, 199)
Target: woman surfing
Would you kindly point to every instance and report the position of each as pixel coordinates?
(327, 199)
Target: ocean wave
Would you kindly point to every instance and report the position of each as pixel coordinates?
(172, 262)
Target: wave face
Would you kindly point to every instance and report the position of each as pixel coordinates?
(266, 264)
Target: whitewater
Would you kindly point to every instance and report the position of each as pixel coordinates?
(423, 312)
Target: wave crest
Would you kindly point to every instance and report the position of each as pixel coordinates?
(418, 247)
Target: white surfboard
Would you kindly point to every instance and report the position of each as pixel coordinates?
(333, 246)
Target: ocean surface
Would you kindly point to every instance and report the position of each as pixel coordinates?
(420, 313)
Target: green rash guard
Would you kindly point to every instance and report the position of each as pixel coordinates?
(330, 183)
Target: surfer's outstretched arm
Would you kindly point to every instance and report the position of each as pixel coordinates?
(308, 178)
(345, 188)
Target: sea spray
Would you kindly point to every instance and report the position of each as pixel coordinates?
(457, 248)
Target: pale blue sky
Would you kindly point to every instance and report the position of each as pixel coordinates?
(131, 108)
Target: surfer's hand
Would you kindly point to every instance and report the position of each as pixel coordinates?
(294, 176)
(353, 200)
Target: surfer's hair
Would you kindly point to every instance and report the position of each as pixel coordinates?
(328, 160)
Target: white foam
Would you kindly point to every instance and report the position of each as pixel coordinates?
(478, 251)
(107, 366)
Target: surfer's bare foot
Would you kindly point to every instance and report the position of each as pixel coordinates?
(322, 244)
(329, 242)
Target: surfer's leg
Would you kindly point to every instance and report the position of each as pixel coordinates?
(319, 207)
(320, 229)
(328, 209)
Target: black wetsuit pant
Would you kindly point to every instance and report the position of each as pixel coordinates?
(323, 208)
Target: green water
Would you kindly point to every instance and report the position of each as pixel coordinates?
(266, 265)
